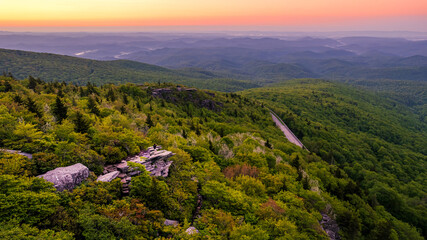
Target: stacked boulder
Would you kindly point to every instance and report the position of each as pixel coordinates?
(155, 161)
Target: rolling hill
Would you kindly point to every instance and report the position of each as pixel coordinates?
(53, 67)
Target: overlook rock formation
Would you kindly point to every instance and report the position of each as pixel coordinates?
(67, 177)
(155, 161)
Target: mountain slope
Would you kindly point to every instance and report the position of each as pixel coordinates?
(379, 142)
(52, 67)
(234, 175)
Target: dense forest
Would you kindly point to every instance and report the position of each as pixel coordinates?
(379, 142)
(365, 167)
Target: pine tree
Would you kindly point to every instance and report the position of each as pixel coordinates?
(32, 83)
(268, 144)
(17, 98)
(7, 86)
(93, 107)
(81, 124)
(122, 109)
(125, 99)
(296, 163)
(111, 96)
(138, 106)
(82, 92)
(149, 121)
(32, 107)
(305, 183)
(59, 110)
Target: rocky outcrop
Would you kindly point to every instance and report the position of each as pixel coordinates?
(330, 226)
(190, 231)
(67, 177)
(183, 94)
(108, 177)
(155, 161)
(28, 155)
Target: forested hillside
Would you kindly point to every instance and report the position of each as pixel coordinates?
(380, 143)
(53, 67)
(366, 171)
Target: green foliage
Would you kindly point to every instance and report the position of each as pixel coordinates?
(379, 143)
(219, 195)
(100, 227)
(233, 176)
(15, 231)
(26, 200)
(15, 164)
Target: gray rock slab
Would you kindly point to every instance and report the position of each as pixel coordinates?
(134, 173)
(28, 155)
(160, 155)
(67, 177)
(108, 177)
(122, 167)
(169, 222)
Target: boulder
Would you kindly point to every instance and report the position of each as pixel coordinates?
(67, 177)
(169, 222)
(123, 167)
(108, 177)
(191, 231)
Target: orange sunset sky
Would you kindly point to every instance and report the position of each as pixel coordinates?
(277, 14)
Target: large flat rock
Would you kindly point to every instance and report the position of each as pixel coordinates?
(67, 177)
(162, 154)
(108, 177)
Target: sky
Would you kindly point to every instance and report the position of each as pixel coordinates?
(290, 15)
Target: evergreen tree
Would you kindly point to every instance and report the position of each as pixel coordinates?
(32, 107)
(7, 86)
(32, 83)
(17, 98)
(122, 109)
(111, 96)
(93, 107)
(268, 144)
(59, 110)
(296, 163)
(149, 121)
(81, 124)
(82, 92)
(125, 99)
(305, 183)
(138, 106)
